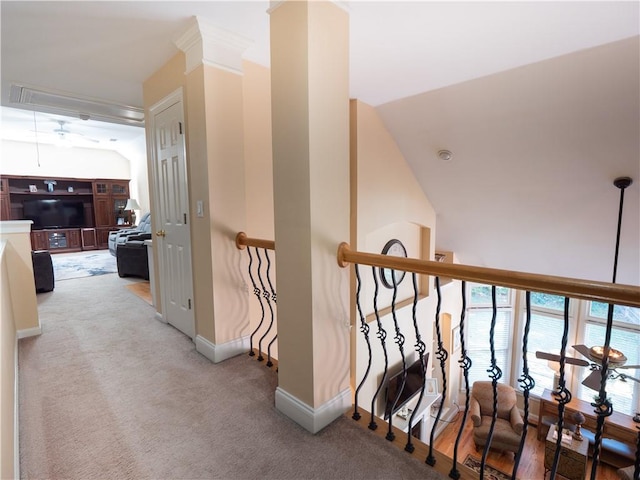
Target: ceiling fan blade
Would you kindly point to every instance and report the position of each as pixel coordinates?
(628, 366)
(593, 380)
(548, 356)
(556, 358)
(583, 349)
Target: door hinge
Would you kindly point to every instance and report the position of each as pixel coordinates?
(185, 218)
(180, 125)
(189, 304)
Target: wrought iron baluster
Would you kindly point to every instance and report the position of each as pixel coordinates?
(441, 355)
(465, 364)
(364, 328)
(274, 298)
(266, 295)
(526, 383)
(420, 348)
(636, 470)
(256, 292)
(563, 396)
(382, 335)
(602, 405)
(495, 373)
(399, 340)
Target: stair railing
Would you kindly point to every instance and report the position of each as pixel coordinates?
(610, 293)
(264, 291)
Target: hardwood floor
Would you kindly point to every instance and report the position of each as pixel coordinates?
(142, 289)
(531, 464)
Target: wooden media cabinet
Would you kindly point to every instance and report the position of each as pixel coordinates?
(103, 202)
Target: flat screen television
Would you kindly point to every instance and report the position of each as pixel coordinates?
(51, 213)
(412, 386)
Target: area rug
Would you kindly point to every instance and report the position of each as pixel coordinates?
(490, 473)
(82, 264)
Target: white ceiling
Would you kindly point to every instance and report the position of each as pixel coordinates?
(535, 148)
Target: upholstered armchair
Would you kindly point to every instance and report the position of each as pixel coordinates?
(509, 424)
(118, 237)
(131, 257)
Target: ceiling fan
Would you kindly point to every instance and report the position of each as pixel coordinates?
(64, 133)
(617, 361)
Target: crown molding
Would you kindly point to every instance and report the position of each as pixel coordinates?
(275, 4)
(206, 44)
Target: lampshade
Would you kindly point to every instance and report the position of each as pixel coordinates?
(132, 204)
(555, 366)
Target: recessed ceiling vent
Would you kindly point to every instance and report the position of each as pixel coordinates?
(66, 104)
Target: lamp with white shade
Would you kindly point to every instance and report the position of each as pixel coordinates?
(132, 206)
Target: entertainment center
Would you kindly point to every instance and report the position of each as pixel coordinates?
(68, 214)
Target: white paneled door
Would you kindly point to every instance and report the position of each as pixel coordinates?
(172, 235)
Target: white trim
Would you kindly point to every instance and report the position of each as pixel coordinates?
(16, 416)
(15, 226)
(313, 419)
(158, 316)
(219, 353)
(205, 43)
(29, 332)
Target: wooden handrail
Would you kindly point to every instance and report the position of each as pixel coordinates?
(567, 287)
(243, 241)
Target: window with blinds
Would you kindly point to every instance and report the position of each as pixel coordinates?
(479, 325)
(545, 335)
(625, 336)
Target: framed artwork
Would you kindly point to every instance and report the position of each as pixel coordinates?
(455, 338)
(431, 386)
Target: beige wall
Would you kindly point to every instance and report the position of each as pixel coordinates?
(8, 366)
(386, 203)
(258, 161)
(20, 158)
(213, 103)
(225, 202)
(23, 293)
(310, 145)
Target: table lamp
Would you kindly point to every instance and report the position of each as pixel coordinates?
(578, 417)
(132, 205)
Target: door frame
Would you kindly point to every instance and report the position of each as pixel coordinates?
(176, 96)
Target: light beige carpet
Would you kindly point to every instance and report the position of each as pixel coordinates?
(108, 392)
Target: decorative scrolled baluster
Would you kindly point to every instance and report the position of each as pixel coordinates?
(382, 336)
(399, 340)
(441, 355)
(526, 384)
(274, 298)
(495, 373)
(563, 395)
(465, 364)
(256, 292)
(267, 297)
(602, 405)
(421, 348)
(364, 328)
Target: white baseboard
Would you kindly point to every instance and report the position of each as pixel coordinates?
(219, 352)
(160, 318)
(313, 419)
(29, 332)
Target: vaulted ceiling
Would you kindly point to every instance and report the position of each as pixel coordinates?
(537, 101)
